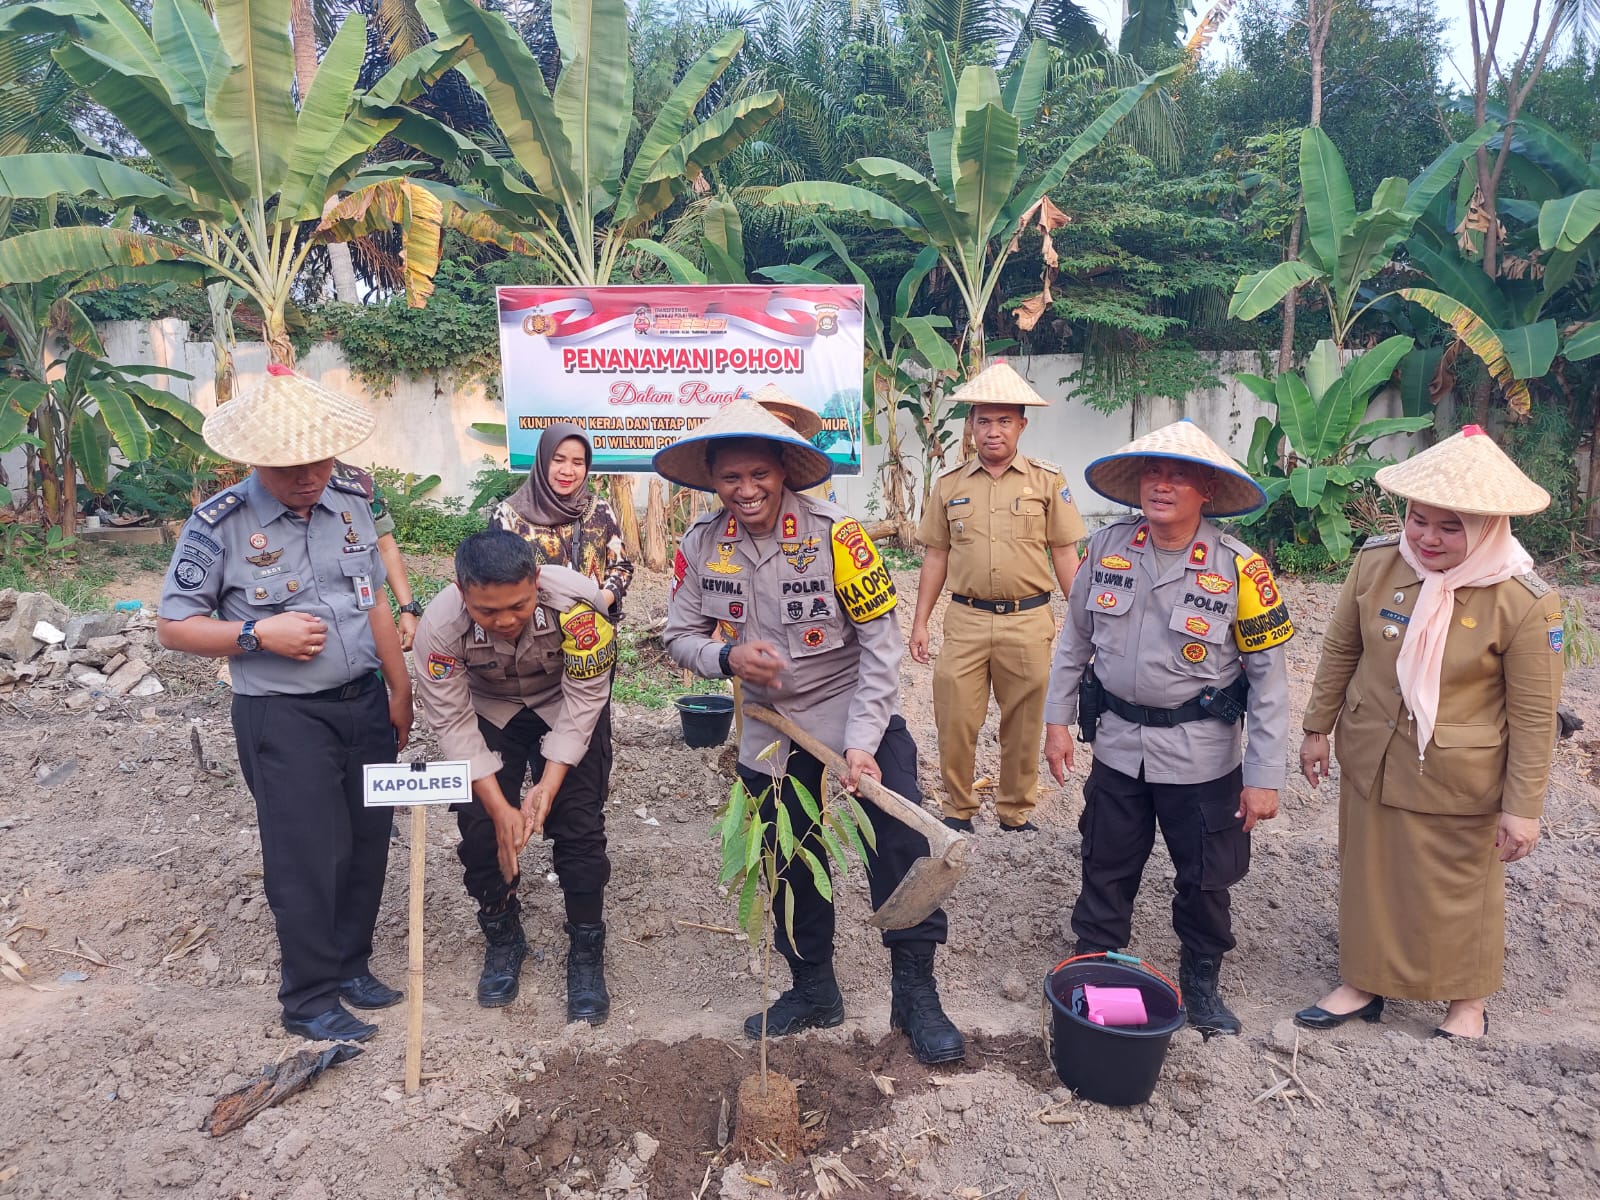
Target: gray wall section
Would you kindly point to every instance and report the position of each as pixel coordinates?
(425, 423)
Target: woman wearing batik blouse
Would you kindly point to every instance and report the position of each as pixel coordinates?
(565, 522)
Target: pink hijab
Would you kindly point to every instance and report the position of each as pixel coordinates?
(1493, 555)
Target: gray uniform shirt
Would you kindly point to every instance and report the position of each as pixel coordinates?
(1157, 638)
(245, 557)
(844, 682)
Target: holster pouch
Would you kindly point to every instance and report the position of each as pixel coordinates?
(1090, 705)
(1226, 704)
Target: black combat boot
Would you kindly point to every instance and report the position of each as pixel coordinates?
(914, 1005)
(587, 998)
(1197, 977)
(813, 1002)
(504, 949)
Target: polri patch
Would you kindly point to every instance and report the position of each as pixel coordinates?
(1216, 584)
(442, 666)
(1195, 652)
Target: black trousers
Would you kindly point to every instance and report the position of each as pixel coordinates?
(898, 847)
(576, 824)
(1208, 844)
(323, 853)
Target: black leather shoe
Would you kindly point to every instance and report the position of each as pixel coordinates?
(914, 1005)
(503, 951)
(335, 1025)
(959, 824)
(366, 992)
(1198, 978)
(587, 997)
(1317, 1017)
(1456, 1037)
(1025, 827)
(813, 1002)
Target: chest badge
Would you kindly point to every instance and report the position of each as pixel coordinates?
(1198, 554)
(1195, 652)
(351, 536)
(791, 527)
(1106, 600)
(724, 564)
(1115, 562)
(1141, 537)
(292, 586)
(260, 593)
(258, 541)
(1399, 598)
(801, 554)
(1469, 622)
(813, 637)
(1198, 626)
(1211, 582)
(1390, 632)
(346, 518)
(265, 559)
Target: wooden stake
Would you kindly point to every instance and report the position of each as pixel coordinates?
(738, 711)
(419, 845)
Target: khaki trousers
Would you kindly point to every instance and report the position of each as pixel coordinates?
(1007, 654)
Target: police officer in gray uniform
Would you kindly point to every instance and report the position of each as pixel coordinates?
(789, 594)
(1173, 637)
(280, 574)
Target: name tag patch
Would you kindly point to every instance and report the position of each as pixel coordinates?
(1388, 614)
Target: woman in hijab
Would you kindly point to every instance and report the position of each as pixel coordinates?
(1439, 678)
(566, 523)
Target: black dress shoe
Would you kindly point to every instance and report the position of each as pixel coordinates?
(959, 824)
(366, 992)
(335, 1025)
(1025, 827)
(1317, 1017)
(1445, 1033)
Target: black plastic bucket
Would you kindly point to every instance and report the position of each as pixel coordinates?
(706, 719)
(1109, 1064)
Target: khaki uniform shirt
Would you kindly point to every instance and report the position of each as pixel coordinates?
(1498, 688)
(560, 667)
(1000, 532)
(821, 594)
(246, 557)
(1160, 639)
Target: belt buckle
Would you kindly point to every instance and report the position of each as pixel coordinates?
(1161, 718)
(1002, 607)
(351, 690)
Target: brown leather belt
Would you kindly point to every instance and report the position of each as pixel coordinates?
(1002, 607)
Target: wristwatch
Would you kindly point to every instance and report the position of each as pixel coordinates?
(725, 659)
(247, 639)
(412, 607)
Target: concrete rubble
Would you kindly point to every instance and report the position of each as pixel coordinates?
(90, 656)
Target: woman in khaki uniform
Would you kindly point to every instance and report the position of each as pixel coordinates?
(1439, 680)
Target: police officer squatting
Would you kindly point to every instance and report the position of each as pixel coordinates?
(280, 574)
(1002, 530)
(1173, 639)
(788, 593)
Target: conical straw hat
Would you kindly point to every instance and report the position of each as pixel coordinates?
(684, 462)
(288, 421)
(795, 415)
(1116, 476)
(1466, 473)
(998, 383)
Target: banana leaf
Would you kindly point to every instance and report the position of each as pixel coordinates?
(1330, 207)
(868, 207)
(322, 117)
(1530, 349)
(679, 267)
(986, 165)
(1256, 294)
(43, 253)
(1479, 338)
(250, 107)
(39, 176)
(1566, 223)
(1583, 342)
(594, 96)
(703, 146)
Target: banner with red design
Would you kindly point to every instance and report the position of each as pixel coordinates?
(640, 367)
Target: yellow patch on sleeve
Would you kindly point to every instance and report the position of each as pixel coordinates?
(588, 642)
(1262, 620)
(860, 578)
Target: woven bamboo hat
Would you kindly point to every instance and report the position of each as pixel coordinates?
(998, 383)
(287, 421)
(1466, 473)
(1116, 476)
(684, 462)
(795, 415)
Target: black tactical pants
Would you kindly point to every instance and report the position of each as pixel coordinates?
(1206, 840)
(898, 847)
(576, 824)
(323, 853)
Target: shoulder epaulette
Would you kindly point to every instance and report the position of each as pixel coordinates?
(1533, 583)
(220, 507)
(1388, 539)
(1045, 465)
(352, 486)
(1234, 544)
(952, 470)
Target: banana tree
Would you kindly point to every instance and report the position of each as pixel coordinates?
(239, 180)
(1343, 248)
(581, 210)
(1318, 450)
(972, 210)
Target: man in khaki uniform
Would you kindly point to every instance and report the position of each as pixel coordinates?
(1173, 639)
(1002, 530)
(513, 670)
(787, 593)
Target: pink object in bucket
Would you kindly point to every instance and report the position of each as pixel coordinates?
(1114, 1005)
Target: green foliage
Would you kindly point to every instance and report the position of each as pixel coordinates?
(1545, 446)
(647, 677)
(1317, 453)
(1580, 646)
(425, 526)
(1106, 382)
(164, 486)
(1297, 558)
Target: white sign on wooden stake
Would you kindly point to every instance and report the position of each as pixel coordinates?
(392, 785)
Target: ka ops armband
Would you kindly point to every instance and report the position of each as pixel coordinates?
(860, 578)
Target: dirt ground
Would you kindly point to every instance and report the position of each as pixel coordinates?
(116, 844)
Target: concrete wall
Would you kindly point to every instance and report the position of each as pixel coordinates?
(425, 423)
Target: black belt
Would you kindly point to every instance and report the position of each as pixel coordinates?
(1002, 607)
(345, 691)
(1195, 710)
